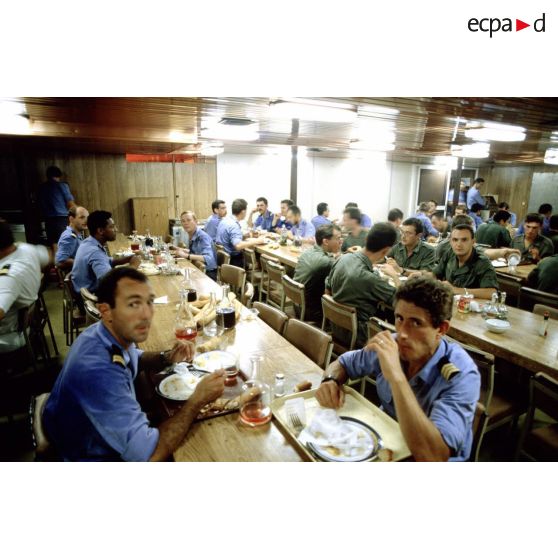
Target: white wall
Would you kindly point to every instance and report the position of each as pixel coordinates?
(251, 176)
(403, 187)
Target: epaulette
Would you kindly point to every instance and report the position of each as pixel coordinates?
(447, 369)
(117, 357)
(5, 269)
(74, 235)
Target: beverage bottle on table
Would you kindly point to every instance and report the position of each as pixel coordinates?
(185, 326)
(225, 311)
(502, 308)
(209, 318)
(148, 239)
(255, 401)
(283, 235)
(135, 244)
(187, 287)
(176, 228)
(544, 325)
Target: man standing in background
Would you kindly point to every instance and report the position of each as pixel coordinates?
(55, 199)
(474, 195)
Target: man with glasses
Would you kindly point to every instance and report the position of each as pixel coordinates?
(314, 266)
(411, 253)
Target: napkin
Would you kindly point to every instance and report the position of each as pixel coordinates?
(327, 429)
(161, 300)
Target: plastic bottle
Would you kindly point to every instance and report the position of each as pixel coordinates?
(176, 228)
(543, 330)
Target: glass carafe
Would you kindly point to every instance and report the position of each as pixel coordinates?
(209, 318)
(255, 401)
(225, 311)
(186, 287)
(185, 326)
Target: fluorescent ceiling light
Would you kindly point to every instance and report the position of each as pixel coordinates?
(182, 137)
(471, 151)
(372, 110)
(372, 145)
(232, 133)
(310, 109)
(445, 162)
(490, 131)
(13, 118)
(551, 156)
(212, 150)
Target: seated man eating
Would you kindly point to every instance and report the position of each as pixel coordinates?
(92, 413)
(430, 386)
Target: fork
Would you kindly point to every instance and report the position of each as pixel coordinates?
(296, 423)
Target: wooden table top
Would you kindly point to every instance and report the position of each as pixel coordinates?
(283, 253)
(521, 344)
(521, 273)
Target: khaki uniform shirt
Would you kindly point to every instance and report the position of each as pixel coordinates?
(354, 282)
(477, 272)
(545, 276)
(543, 245)
(494, 235)
(423, 256)
(359, 240)
(312, 269)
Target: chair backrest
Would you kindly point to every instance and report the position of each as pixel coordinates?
(479, 427)
(86, 294)
(40, 440)
(92, 314)
(540, 309)
(294, 291)
(511, 286)
(529, 297)
(235, 277)
(316, 344)
(375, 326)
(275, 271)
(342, 316)
(273, 317)
(250, 260)
(222, 257)
(248, 294)
(263, 280)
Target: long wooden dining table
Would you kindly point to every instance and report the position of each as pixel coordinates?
(287, 255)
(520, 273)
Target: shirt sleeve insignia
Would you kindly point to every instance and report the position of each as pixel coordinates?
(117, 356)
(447, 369)
(5, 269)
(74, 235)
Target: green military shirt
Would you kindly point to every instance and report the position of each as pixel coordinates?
(545, 276)
(444, 248)
(477, 272)
(312, 269)
(543, 245)
(359, 240)
(493, 235)
(553, 237)
(423, 256)
(354, 282)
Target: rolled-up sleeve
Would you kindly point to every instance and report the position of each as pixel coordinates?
(100, 263)
(360, 363)
(67, 247)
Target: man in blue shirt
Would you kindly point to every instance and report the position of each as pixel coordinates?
(428, 227)
(200, 248)
(301, 227)
(71, 238)
(92, 261)
(365, 220)
(54, 199)
(264, 220)
(474, 195)
(430, 386)
(474, 213)
(280, 219)
(322, 218)
(219, 208)
(506, 207)
(230, 236)
(92, 413)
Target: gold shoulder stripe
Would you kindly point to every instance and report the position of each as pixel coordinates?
(448, 371)
(74, 235)
(119, 359)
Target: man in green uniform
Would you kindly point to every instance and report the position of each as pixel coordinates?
(441, 224)
(411, 253)
(314, 266)
(552, 233)
(545, 276)
(532, 245)
(464, 268)
(495, 234)
(354, 281)
(357, 234)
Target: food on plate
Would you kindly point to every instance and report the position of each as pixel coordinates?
(303, 386)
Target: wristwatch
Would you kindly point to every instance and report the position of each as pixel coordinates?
(331, 378)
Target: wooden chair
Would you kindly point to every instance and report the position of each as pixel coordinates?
(72, 325)
(235, 277)
(248, 294)
(511, 286)
(529, 297)
(540, 309)
(316, 344)
(273, 317)
(43, 449)
(86, 294)
(274, 286)
(92, 314)
(479, 428)
(252, 266)
(342, 316)
(540, 443)
(375, 326)
(222, 257)
(295, 292)
(263, 279)
(43, 315)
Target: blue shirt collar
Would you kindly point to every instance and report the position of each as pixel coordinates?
(430, 369)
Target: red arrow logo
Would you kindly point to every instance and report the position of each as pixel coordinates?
(519, 25)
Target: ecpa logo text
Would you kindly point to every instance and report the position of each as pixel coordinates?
(494, 24)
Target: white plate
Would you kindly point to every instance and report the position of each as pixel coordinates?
(497, 326)
(178, 387)
(213, 360)
(149, 269)
(373, 443)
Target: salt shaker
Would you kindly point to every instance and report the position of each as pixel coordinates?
(279, 384)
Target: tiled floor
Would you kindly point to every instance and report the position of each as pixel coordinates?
(15, 438)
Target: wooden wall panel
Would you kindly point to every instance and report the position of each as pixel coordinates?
(108, 182)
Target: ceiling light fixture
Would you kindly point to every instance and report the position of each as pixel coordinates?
(471, 151)
(212, 150)
(551, 156)
(490, 131)
(14, 118)
(310, 109)
(232, 129)
(182, 137)
(445, 162)
(370, 144)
